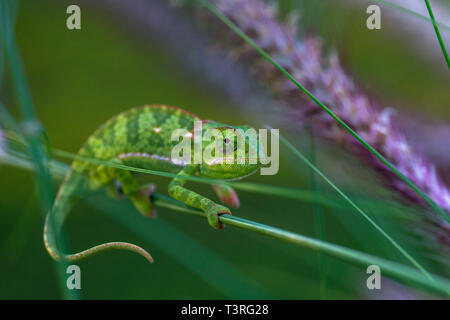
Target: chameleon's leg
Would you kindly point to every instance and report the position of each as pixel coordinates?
(139, 195)
(147, 190)
(115, 190)
(179, 192)
(227, 195)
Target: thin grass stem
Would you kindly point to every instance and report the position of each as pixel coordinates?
(357, 208)
(318, 219)
(31, 128)
(438, 34)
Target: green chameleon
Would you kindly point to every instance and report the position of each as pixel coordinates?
(141, 137)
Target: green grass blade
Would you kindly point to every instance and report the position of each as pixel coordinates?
(31, 124)
(265, 189)
(438, 34)
(318, 220)
(32, 127)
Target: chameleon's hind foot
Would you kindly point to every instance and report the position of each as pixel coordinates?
(143, 202)
(213, 213)
(227, 195)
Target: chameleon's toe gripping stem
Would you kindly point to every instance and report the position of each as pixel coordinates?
(213, 213)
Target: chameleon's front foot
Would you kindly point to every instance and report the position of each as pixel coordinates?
(227, 195)
(142, 201)
(213, 213)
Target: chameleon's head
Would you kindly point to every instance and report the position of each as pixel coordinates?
(229, 152)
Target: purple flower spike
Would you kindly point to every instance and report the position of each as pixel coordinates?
(327, 80)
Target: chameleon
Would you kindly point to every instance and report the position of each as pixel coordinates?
(141, 137)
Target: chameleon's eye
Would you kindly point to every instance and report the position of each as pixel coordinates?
(227, 142)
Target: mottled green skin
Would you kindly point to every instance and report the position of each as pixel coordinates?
(140, 137)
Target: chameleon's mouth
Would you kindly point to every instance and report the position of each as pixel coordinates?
(242, 177)
(217, 161)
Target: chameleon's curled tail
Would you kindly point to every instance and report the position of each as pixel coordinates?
(55, 219)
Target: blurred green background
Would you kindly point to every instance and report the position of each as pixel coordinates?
(79, 79)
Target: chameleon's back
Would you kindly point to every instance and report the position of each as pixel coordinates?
(139, 137)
